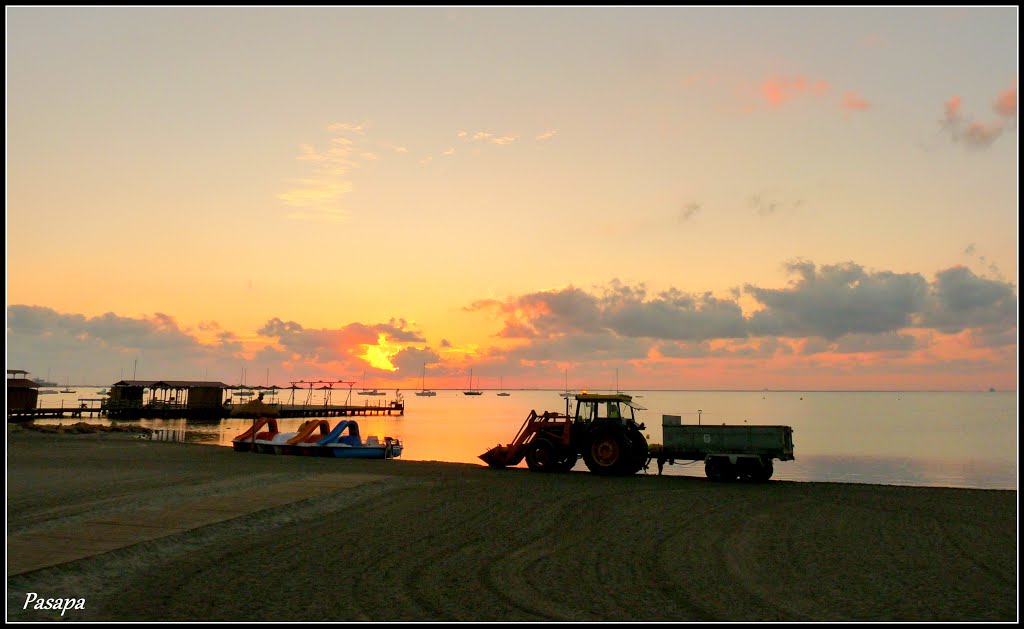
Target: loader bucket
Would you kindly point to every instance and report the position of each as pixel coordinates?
(498, 456)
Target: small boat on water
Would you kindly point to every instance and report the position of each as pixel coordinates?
(316, 438)
(423, 385)
(471, 390)
(370, 391)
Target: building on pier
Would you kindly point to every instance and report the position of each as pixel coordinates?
(22, 393)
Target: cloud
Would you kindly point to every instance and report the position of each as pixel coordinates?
(1006, 104)
(410, 360)
(960, 299)
(766, 206)
(672, 314)
(318, 197)
(599, 346)
(852, 101)
(874, 343)
(980, 134)
(779, 90)
(619, 309)
(38, 336)
(688, 211)
(840, 299)
(486, 136)
(842, 315)
(546, 314)
(337, 344)
(547, 135)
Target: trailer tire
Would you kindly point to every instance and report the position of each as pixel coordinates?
(748, 468)
(541, 456)
(607, 451)
(718, 468)
(765, 472)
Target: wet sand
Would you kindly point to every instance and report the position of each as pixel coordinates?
(159, 531)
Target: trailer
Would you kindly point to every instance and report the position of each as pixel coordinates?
(728, 451)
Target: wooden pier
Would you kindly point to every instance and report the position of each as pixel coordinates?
(302, 410)
(28, 414)
(192, 400)
(181, 412)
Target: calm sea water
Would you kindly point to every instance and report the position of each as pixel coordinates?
(896, 438)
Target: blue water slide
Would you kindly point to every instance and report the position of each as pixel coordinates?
(352, 438)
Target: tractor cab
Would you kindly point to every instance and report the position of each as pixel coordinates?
(615, 407)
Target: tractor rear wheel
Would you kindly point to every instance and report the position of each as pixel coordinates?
(541, 456)
(640, 450)
(608, 451)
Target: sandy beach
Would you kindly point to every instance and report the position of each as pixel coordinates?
(158, 531)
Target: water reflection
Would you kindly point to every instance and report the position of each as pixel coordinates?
(168, 434)
(974, 474)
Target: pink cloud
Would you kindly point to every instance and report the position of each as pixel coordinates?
(852, 101)
(1006, 104)
(980, 134)
(953, 107)
(777, 90)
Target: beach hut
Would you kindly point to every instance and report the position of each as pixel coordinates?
(167, 398)
(22, 393)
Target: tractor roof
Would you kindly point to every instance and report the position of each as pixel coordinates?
(621, 397)
(609, 397)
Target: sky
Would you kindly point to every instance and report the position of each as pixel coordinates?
(584, 197)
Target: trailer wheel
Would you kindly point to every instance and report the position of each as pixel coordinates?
(765, 472)
(748, 468)
(718, 468)
(540, 456)
(608, 452)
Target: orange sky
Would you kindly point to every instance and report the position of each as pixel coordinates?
(685, 197)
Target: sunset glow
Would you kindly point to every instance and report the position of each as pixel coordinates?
(684, 197)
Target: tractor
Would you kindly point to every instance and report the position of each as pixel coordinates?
(603, 430)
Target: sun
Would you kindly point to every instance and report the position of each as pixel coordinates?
(379, 355)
